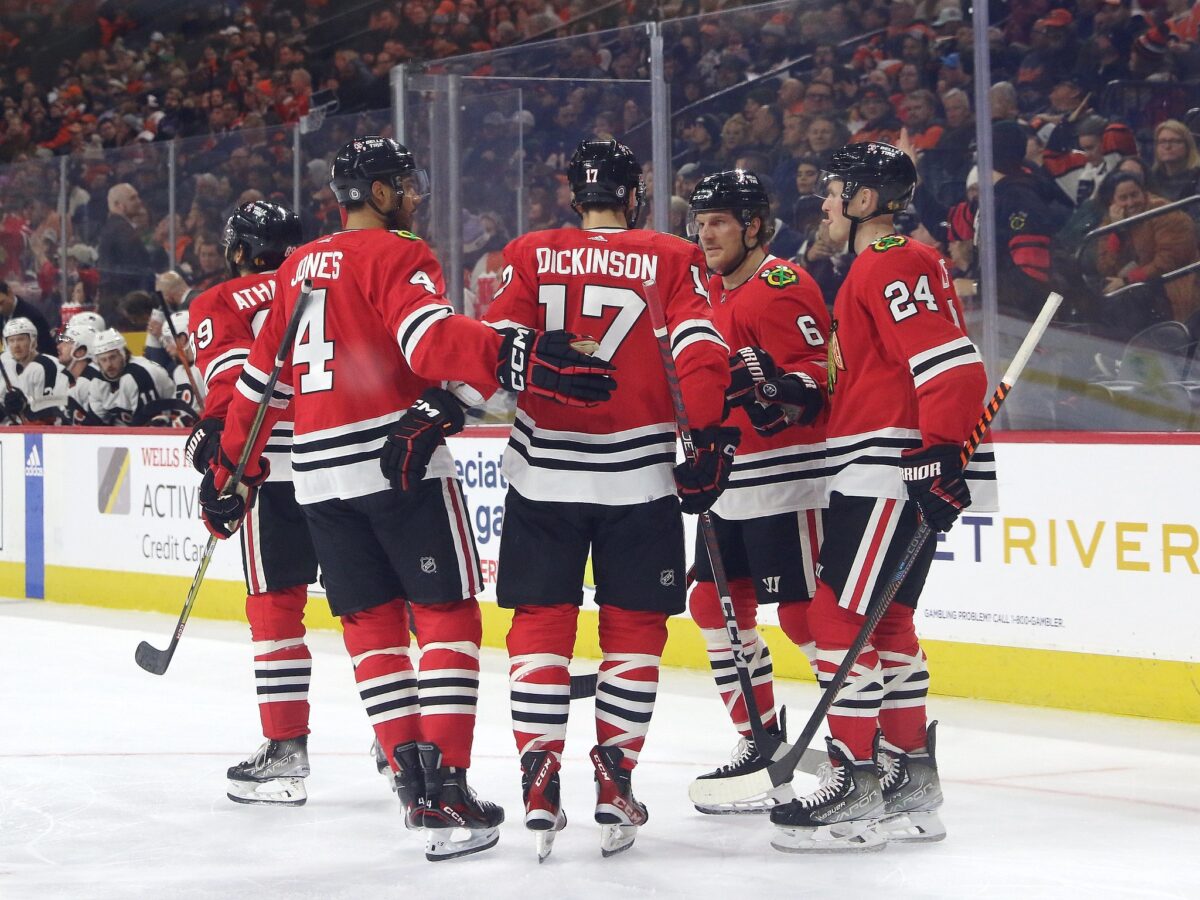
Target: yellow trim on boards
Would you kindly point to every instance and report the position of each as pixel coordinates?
(12, 579)
(1160, 689)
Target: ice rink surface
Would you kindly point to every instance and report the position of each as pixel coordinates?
(112, 786)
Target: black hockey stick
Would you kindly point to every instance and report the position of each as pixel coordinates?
(183, 352)
(788, 756)
(151, 658)
(763, 740)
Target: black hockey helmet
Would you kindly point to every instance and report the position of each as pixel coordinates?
(266, 232)
(606, 173)
(366, 160)
(737, 190)
(876, 165)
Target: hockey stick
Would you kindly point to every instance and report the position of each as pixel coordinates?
(183, 353)
(787, 756)
(151, 658)
(766, 742)
(8, 386)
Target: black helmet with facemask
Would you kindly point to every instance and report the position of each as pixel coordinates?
(365, 160)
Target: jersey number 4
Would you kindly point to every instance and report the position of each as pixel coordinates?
(312, 350)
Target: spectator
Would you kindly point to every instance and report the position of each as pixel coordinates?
(1176, 170)
(918, 111)
(880, 123)
(824, 138)
(702, 134)
(13, 307)
(124, 261)
(1148, 250)
(1003, 97)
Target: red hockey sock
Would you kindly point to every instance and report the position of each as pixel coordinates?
(282, 663)
(632, 644)
(449, 635)
(854, 715)
(793, 619)
(377, 639)
(905, 679)
(705, 606)
(540, 644)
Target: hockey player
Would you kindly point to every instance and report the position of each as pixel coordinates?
(905, 388)
(374, 477)
(38, 390)
(768, 521)
(278, 560)
(182, 351)
(602, 480)
(131, 384)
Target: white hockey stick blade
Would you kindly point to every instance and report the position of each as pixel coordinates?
(736, 789)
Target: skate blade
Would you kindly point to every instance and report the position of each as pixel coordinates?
(842, 837)
(754, 806)
(616, 839)
(276, 792)
(441, 843)
(912, 828)
(545, 829)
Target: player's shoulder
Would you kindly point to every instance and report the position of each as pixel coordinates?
(896, 254)
(49, 366)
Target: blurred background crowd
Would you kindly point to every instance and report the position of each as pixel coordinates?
(1092, 103)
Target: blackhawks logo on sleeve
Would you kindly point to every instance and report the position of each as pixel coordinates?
(779, 276)
(887, 243)
(407, 235)
(834, 362)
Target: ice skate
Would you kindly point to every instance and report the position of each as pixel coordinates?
(457, 822)
(382, 766)
(544, 814)
(409, 784)
(840, 815)
(274, 774)
(912, 792)
(617, 811)
(715, 794)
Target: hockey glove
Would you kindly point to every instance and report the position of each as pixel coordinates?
(701, 479)
(223, 512)
(791, 399)
(423, 428)
(15, 402)
(545, 364)
(934, 479)
(748, 368)
(203, 444)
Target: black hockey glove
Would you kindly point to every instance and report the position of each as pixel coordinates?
(748, 368)
(791, 399)
(934, 478)
(545, 364)
(701, 480)
(15, 402)
(223, 512)
(203, 443)
(423, 428)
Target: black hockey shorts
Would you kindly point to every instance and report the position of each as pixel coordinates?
(277, 550)
(865, 537)
(637, 554)
(778, 552)
(416, 545)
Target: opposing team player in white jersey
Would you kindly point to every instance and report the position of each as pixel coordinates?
(374, 477)
(601, 480)
(39, 386)
(768, 521)
(182, 350)
(906, 388)
(278, 559)
(131, 386)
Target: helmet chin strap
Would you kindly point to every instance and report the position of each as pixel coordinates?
(391, 218)
(747, 249)
(855, 221)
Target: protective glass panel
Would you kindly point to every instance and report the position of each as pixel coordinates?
(32, 233)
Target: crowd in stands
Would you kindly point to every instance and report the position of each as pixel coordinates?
(1089, 100)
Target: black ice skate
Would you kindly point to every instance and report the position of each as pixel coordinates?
(840, 815)
(717, 793)
(616, 809)
(544, 814)
(274, 774)
(409, 784)
(457, 822)
(912, 792)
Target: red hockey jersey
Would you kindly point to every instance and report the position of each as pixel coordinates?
(224, 321)
(779, 309)
(902, 372)
(591, 283)
(377, 331)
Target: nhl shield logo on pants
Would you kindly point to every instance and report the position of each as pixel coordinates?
(667, 577)
(428, 565)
